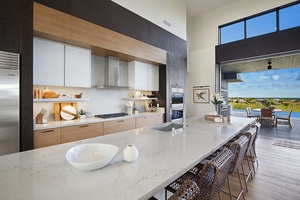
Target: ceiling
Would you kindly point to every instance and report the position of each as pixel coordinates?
(278, 62)
(198, 7)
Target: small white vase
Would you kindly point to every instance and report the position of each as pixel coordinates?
(82, 117)
(130, 153)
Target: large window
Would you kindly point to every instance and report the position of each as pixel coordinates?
(271, 21)
(261, 25)
(289, 17)
(236, 28)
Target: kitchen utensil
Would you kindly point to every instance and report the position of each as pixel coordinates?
(68, 113)
(91, 156)
(78, 96)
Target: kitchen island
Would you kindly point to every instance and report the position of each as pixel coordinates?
(163, 156)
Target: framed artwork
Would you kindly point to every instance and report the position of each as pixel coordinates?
(201, 95)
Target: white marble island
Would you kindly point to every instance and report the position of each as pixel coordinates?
(45, 173)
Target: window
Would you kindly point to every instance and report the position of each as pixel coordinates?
(261, 25)
(289, 17)
(232, 32)
(285, 17)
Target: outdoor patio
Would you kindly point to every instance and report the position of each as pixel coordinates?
(279, 131)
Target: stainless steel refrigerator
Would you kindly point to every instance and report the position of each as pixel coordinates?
(9, 103)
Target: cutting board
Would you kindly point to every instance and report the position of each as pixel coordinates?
(59, 106)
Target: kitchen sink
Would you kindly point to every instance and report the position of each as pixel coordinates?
(168, 127)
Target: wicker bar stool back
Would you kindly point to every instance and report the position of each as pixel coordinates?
(239, 148)
(189, 190)
(209, 174)
(214, 174)
(251, 134)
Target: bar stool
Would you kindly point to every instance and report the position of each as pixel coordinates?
(238, 148)
(251, 134)
(211, 176)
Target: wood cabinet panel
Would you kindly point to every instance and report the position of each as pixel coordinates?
(99, 129)
(74, 133)
(119, 125)
(160, 119)
(48, 137)
(61, 26)
(145, 121)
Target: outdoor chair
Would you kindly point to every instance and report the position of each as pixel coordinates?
(210, 175)
(284, 118)
(267, 117)
(250, 115)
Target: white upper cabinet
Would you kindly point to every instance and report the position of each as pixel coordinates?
(137, 75)
(48, 63)
(143, 76)
(77, 67)
(56, 64)
(153, 77)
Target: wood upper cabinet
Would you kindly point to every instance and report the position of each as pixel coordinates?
(77, 67)
(80, 132)
(115, 126)
(145, 121)
(48, 63)
(56, 64)
(143, 76)
(48, 137)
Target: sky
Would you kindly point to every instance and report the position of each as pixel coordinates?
(283, 83)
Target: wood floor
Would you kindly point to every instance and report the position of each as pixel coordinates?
(277, 176)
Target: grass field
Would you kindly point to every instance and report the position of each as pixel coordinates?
(283, 104)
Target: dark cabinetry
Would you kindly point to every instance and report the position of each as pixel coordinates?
(10, 25)
(16, 30)
(177, 76)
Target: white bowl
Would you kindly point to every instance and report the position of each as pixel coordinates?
(91, 156)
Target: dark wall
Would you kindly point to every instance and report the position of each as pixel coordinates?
(16, 31)
(273, 43)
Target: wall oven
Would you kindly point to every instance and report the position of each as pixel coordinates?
(177, 104)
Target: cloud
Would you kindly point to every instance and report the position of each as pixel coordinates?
(263, 79)
(275, 77)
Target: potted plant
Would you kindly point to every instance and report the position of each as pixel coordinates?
(81, 114)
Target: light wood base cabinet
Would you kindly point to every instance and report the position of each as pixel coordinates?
(160, 119)
(74, 133)
(145, 121)
(115, 126)
(49, 137)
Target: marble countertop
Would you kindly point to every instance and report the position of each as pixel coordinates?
(88, 120)
(163, 156)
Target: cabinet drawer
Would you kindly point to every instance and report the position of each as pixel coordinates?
(99, 129)
(119, 125)
(160, 119)
(145, 121)
(48, 137)
(74, 133)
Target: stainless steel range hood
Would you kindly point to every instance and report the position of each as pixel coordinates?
(112, 74)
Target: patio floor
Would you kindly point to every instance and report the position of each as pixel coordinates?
(281, 131)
